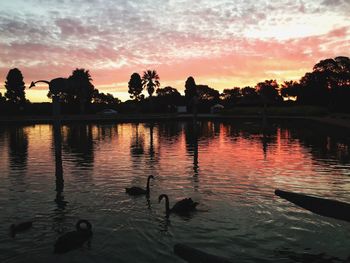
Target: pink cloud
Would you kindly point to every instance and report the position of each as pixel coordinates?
(201, 42)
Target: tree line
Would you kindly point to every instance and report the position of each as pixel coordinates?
(80, 94)
(328, 85)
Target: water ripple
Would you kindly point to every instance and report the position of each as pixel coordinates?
(231, 169)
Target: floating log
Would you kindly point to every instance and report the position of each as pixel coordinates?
(321, 206)
(193, 255)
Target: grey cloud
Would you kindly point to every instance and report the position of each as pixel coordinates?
(331, 2)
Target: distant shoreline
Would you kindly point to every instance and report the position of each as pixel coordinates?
(338, 121)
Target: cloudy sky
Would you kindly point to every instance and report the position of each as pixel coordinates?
(222, 43)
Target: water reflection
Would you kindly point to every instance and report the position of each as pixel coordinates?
(152, 153)
(208, 130)
(191, 137)
(151, 146)
(264, 135)
(78, 143)
(326, 144)
(137, 145)
(59, 213)
(105, 133)
(230, 167)
(164, 225)
(57, 134)
(169, 132)
(78, 139)
(18, 147)
(268, 136)
(141, 134)
(2, 134)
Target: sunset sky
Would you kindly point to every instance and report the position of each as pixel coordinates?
(222, 43)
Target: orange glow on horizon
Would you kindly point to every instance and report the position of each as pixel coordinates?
(120, 89)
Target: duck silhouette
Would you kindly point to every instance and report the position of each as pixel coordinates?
(74, 239)
(20, 227)
(182, 207)
(138, 190)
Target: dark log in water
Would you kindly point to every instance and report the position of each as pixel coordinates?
(321, 206)
(193, 255)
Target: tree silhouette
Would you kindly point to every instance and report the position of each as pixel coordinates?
(327, 85)
(333, 76)
(268, 91)
(290, 89)
(167, 91)
(75, 90)
(231, 96)
(337, 69)
(2, 98)
(150, 81)
(168, 98)
(207, 97)
(249, 95)
(205, 93)
(101, 98)
(135, 87)
(66, 95)
(315, 89)
(81, 83)
(14, 85)
(191, 94)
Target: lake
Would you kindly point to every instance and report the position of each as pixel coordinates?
(231, 168)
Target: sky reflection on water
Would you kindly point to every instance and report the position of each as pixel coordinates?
(232, 169)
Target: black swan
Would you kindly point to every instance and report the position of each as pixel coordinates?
(74, 239)
(182, 207)
(20, 227)
(139, 191)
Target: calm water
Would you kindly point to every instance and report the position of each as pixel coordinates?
(231, 168)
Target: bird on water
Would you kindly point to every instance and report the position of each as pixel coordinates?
(135, 190)
(182, 207)
(74, 239)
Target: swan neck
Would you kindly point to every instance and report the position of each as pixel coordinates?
(148, 181)
(167, 209)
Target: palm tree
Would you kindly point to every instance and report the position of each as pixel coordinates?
(81, 82)
(150, 81)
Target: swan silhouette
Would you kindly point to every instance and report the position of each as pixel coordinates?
(182, 207)
(20, 227)
(138, 190)
(74, 239)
